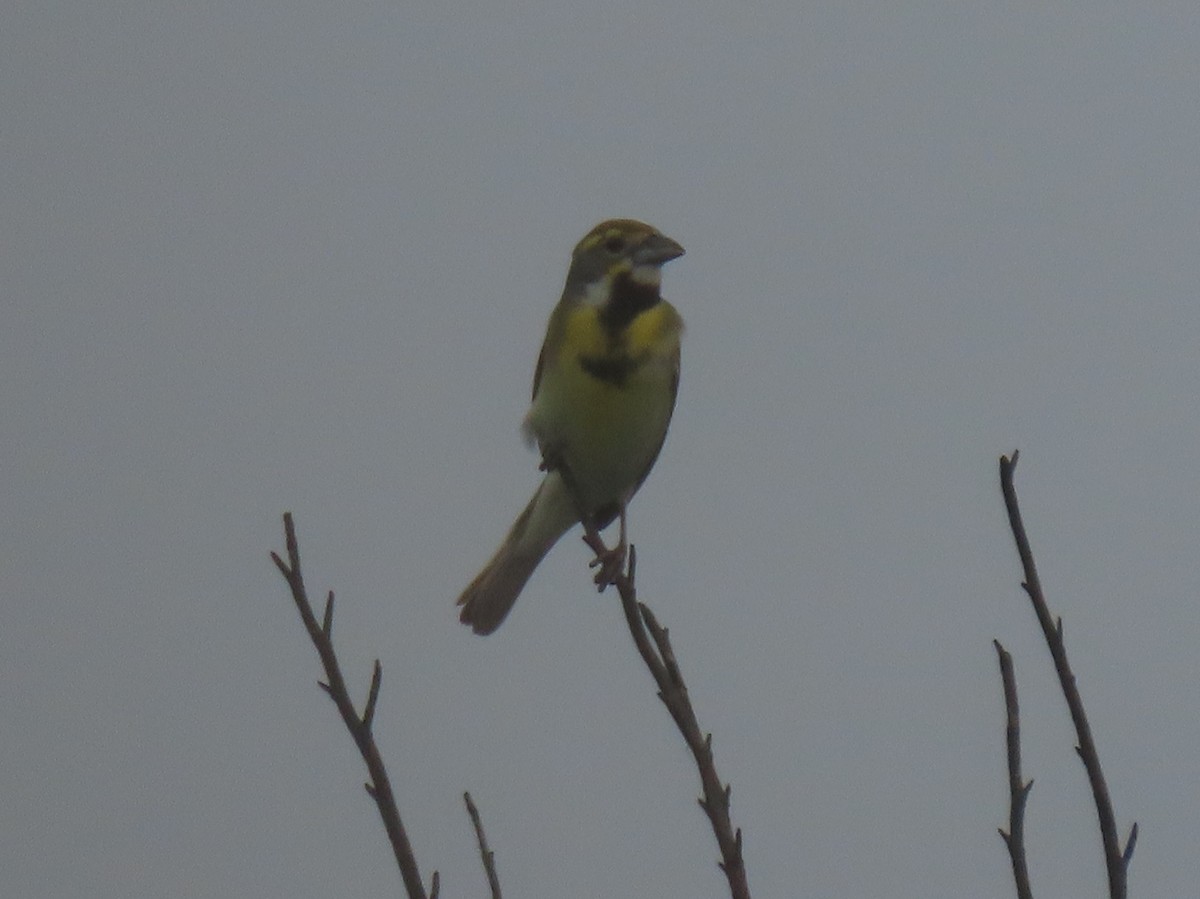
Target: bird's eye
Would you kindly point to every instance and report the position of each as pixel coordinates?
(615, 244)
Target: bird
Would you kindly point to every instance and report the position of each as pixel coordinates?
(604, 392)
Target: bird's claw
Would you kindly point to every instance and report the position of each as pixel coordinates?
(611, 565)
(610, 562)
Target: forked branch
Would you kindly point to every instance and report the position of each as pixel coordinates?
(379, 788)
(1116, 858)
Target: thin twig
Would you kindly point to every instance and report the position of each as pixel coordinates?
(660, 659)
(1116, 859)
(486, 854)
(1018, 789)
(379, 788)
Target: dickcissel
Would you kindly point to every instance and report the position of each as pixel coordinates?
(603, 393)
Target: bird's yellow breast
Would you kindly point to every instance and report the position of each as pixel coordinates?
(604, 400)
(654, 331)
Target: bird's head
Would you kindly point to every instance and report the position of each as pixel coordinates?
(619, 250)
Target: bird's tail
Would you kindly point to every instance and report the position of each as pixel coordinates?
(489, 598)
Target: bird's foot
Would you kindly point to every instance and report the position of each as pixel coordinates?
(610, 561)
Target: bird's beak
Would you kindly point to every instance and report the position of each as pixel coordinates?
(657, 249)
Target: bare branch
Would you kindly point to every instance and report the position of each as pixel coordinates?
(660, 659)
(486, 854)
(379, 788)
(327, 618)
(1116, 859)
(368, 715)
(1018, 789)
(1130, 842)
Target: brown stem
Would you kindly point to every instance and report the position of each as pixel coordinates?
(379, 787)
(654, 645)
(1116, 859)
(486, 854)
(1018, 789)
(660, 659)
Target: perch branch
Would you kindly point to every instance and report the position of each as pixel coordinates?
(654, 646)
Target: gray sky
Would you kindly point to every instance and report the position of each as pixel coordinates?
(266, 257)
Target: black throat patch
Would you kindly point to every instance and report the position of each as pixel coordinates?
(614, 369)
(629, 300)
